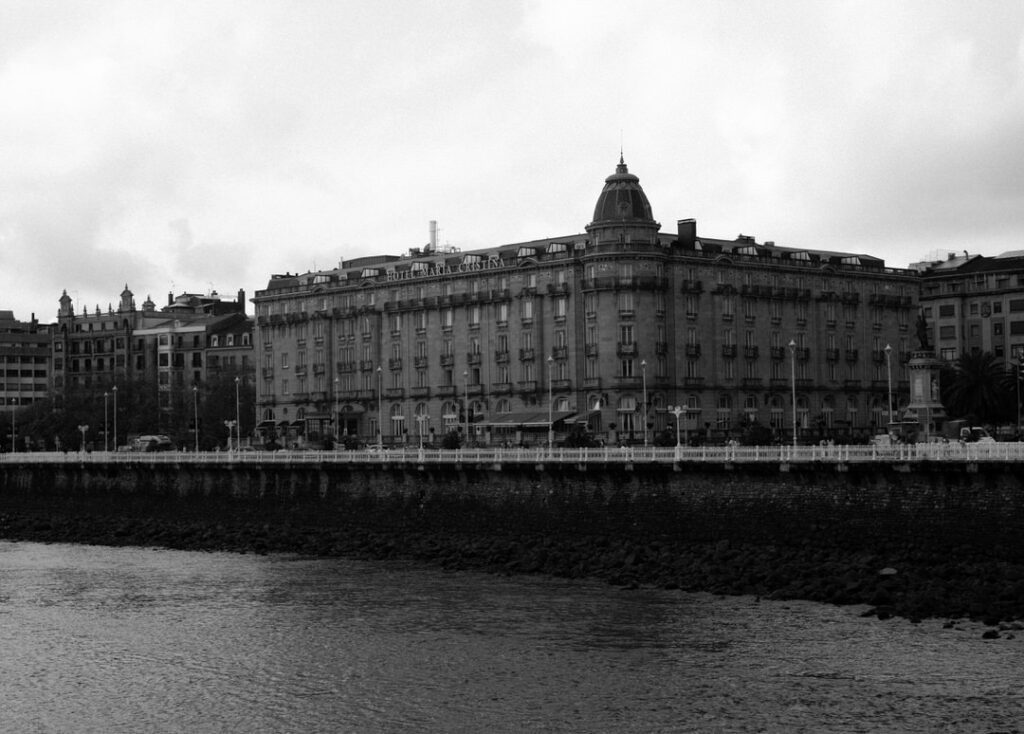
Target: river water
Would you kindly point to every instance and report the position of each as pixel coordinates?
(96, 639)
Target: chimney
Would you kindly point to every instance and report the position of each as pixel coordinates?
(687, 229)
(433, 235)
(170, 298)
(241, 300)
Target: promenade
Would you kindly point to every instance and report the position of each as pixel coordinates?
(784, 456)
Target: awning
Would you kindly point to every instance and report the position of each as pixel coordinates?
(528, 419)
(266, 424)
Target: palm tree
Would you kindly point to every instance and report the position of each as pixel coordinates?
(980, 387)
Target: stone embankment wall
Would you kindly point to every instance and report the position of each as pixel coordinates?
(935, 540)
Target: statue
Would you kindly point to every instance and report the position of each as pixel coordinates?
(922, 331)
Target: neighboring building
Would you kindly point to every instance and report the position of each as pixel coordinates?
(25, 361)
(973, 303)
(166, 348)
(624, 317)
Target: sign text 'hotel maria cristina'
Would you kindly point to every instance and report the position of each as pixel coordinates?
(469, 264)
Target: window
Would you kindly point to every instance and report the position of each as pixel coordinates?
(626, 333)
(949, 310)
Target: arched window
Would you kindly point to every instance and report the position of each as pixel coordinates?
(828, 409)
(851, 411)
(562, 404)
(504, 405)
(397, 420)
(750, 408)
(626, 410)
(802, 412)
(777, 412)
(450, 415)
(723, 415)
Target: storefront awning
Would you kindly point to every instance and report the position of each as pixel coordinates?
(528, 419)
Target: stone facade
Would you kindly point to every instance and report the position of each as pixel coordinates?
(608, 330)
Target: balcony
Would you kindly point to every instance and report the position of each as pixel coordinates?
(501, 388)
(626, 383)
(831, 355)
(561, 385)
(560, 352)
(473, 358)
(626, 350)
(692, 286)
(661, 347)
(419, 392)
(395, 363)
(693, 350)
(346, 366)
(803, 354)
(750, 352)
(366, 365)
(851, 385)
(501, 357)
(420, 363)
(752, 383)
(590, 350)
(527, 386)
(693, 383)
(729, 350)
(394, 393)
(445, 391)
(851, 355)
(526, 355)
(447, 360)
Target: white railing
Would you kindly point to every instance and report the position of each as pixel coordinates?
(898, 454)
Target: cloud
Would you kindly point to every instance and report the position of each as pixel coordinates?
(221, 142)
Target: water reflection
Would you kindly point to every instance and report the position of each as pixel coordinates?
(127, 640)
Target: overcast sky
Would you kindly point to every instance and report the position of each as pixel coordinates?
(198, 146)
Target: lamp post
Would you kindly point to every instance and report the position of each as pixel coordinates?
(380, 407)
(106, 445)
(14, 427)
(888, 376)
(83, 428)
(421, 418)
(114, 390)
(677, 411)
(1020, 362)
(195, 414)
(551, 424)
(337, 415)
(792, 366)
(643, 374)
(238, 414)
(465, 388)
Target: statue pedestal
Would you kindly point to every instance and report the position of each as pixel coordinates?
(925, 406)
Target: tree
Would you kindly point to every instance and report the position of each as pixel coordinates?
(979, 387)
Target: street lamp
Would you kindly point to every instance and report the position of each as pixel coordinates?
(380, 407)
(421, 418)
(465, 387)
(551, 424)
(792, 366)
(83, 428)
(14, 427)
(106, 446)
(114, 390)
(677, 411)
(888, 375)
(1020, 362)
(337, 415)
(195, 414)
(643, 374)
(238, 415)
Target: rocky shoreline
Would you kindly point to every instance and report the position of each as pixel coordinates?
(902, 580)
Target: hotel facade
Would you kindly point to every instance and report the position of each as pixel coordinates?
(624, 330)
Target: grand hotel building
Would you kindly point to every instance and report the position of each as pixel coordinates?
(622, 328)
